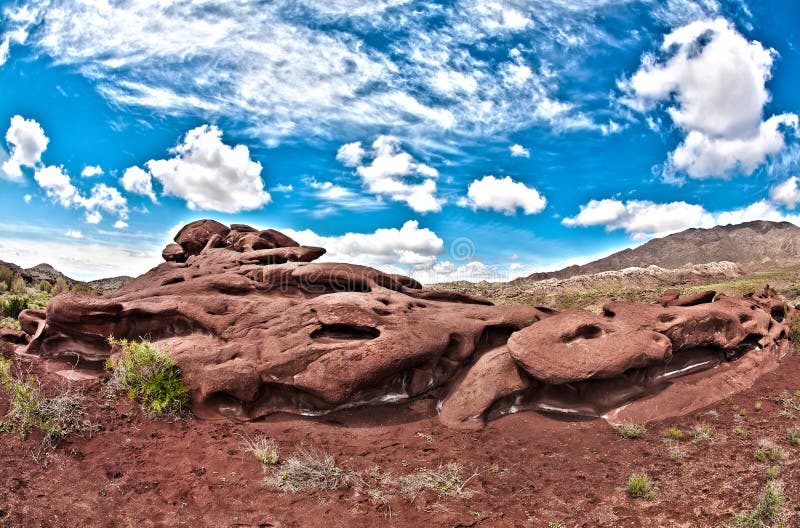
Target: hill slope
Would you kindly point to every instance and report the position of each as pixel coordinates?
(751, 243)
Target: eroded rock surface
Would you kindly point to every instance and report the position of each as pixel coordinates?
(258, 327)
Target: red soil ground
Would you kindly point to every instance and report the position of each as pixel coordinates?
(533, 469)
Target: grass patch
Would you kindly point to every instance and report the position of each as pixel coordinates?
(793, 435)
(55, 417)
(10, 322)
(767, 511)
(768, 450)
(640, 487)
(631, 431)
(673, 433)
(150, 376)
(702, 432)
(309, 470)
(738, 431)
(446, 481)
(263, 448)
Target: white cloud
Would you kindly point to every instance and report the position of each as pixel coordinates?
(211, 175)
(27, 141)
(714, 86)
(27, 198)
(120, 224)
(138, 181)
(786, 193)
(91, 170)
(518, 150)
(156, 55)
(410, 246)
(281, 188)
(4, 45)
(56, 184)
(503, 195)
(73, 233)
(642, 218)
(351, 154)
(393, 173)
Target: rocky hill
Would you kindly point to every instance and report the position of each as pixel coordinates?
(47, 272)
(759, 243)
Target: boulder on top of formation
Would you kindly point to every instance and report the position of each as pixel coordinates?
(578, 345)
(258, 327)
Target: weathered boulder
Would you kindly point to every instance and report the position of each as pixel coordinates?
(578, 345)
(174, 253)
(195, 236)
(494, 376)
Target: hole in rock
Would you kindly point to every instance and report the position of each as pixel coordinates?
(777, 313)
(492, 337)
(667, 317)
(345, 331)
(383, 301)
(745, 318)
(381, 311)
(174, 280)
(587, 331)
(545, 309)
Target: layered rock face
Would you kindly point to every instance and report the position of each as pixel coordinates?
(258, 327)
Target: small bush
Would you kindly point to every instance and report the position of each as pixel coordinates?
(150, 376)
(308, 470)
(263, 448)
(773, 472)
(56, 417)
(14, 305)
(793, 435)
(673, 433)
(631, 431)
(702, 432)
(6, 276)
(767, 449)
(60, 286)
(18, 286)
(794, 325)
(556, 525)
(83, 289)
(9, 322)
(45, 286)
(640, 487)
(766, 511)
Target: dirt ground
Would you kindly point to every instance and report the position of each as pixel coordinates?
(529, 469)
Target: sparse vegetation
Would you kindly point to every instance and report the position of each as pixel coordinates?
(446, 480)
(308, 470)
(793, 435)
(702, 432)
(738, 431)
(150, 376)
(56, 417)
(631, 431)
(263, 448)
(767, 511)
(767, 449)
(673, 433)
(640, 487)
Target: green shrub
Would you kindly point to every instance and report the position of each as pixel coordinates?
(794, 325)
(702, 431)
(640, 487)
(83, 288)
(309, 470)
(18, 286)
(60, 286)
(766, 511)
(631, 431)
(45, 286)
(6, 276)
(14, 305)
(150, 376)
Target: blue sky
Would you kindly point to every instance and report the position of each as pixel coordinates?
(450, 140)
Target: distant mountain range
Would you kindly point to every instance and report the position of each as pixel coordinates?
(47, 272)
(757, 244)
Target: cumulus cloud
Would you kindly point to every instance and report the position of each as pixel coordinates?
(411, 246)
(642, 218)
(392, 172)
(503, 195)
(91, 170)
(351, 154)
(27, 142)
(518, 151)
(138, 181)
(208, 174)
(713, 83)
(57, 185)
(786, 193)
(73, 233)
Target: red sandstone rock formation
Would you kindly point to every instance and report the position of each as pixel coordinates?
(257, 327)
